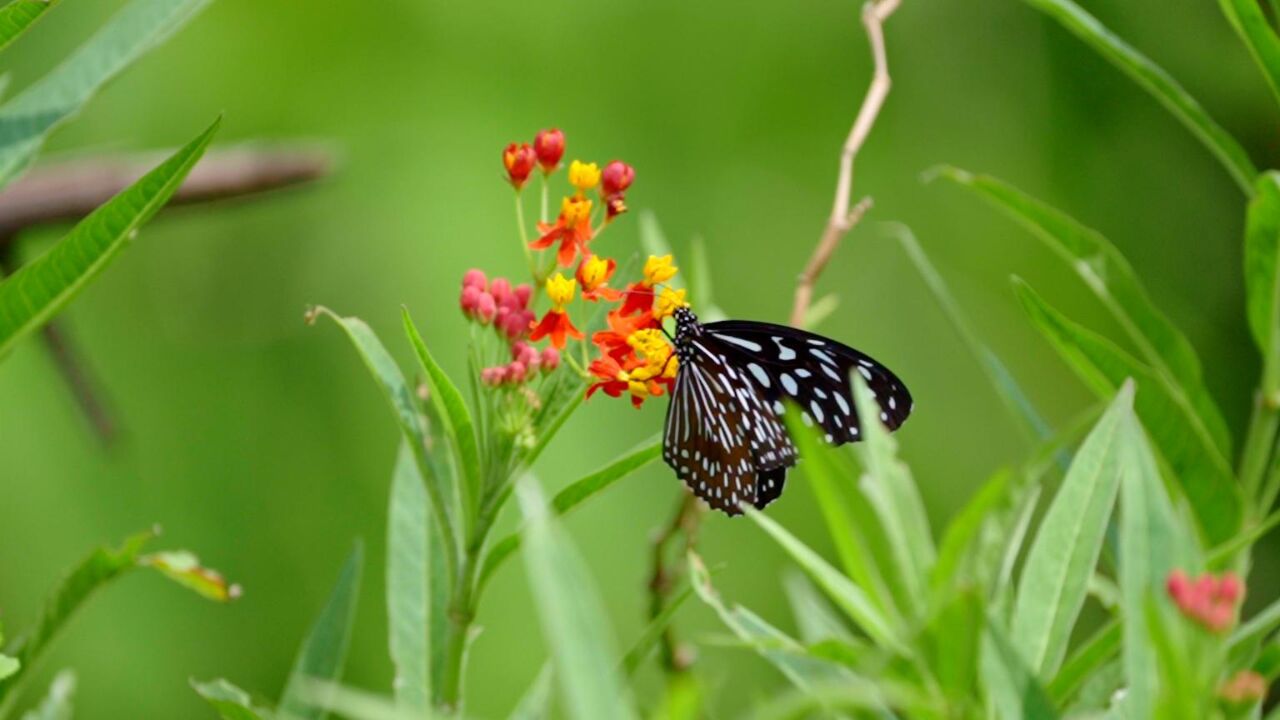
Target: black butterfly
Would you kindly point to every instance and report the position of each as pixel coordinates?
(724, 434)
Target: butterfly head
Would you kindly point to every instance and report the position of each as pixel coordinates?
(687, 327)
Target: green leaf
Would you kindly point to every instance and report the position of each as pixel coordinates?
(815, 620)
(56, 705)
(574, 623)
(27, 119)
(326, 696)
(574, 494)
(8, 666)
(325, 650)
(1006, 387)
(1257, 627)
(953, 642)
(414, 586)
(1247, 18)
(1066, 547)
(99, 568)
(1151, 545)
(1108, 274)
(682, 699)
(963, 534)
(1011, 686)
(453, 410)
(230, 702)
(888, 486)
(397, 392)
(17, 17)
(535, 704)
(184, 568)
(1088, 659)
(1181, 438)
(653, 632)
(1262, 278)
(848, 597)
(856, 541)
(41, 288)
(1155, 81)
(781, 650)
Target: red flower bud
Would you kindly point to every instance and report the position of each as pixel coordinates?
(475, 278)
(522, 293)
(550, 359)
(516, 371)
(470, 300)
(493, 376)
(549, 146)
(1229, 587)
(616, 177)
(519, 161)
(525, 353)
(500, 289)
(486, 308)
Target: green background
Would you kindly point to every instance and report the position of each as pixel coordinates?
(262, 443)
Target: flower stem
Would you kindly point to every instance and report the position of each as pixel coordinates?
(524, 239)
(545, 183)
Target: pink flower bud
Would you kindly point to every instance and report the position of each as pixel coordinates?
(525, 353)
(492, 376)
(486, 309)
(616, 177)
(500, 289)
(516, 371)
(470, 300)
(475, 278)
(1229, 587)
(522, 293)
(550, 359)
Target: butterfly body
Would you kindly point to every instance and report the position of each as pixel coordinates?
(724, 434)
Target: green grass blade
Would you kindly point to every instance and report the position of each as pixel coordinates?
(1181, 438)
(229, 701)
(27, 119)
(848, 597)
(17, 17)
(574, 623)
(412, 592)
(575, 494)
(889, 487)
(324, 652)
(1108, 274)
(1066, 547)
(1262, 278)
(56, 704)
(397, 392)
(1157, 82)
(652, 633)
(1002, 381)
(39, 289)
(1251, 24)
(535, 704)
(449, 404)
(1151, 545)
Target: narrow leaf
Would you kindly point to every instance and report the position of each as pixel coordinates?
(814, 618)
(41, 288)
(184, 568)
(411, 588)
(56, 705)
(1262, 278)
(1255, 30)
(573, 495)
(1087, 660)
(323, 653)
(17, 17)
(1108, 274)
(453, 409)
(652, 633)
(27, 119)
(1175, 427)
(8, 666)
(1065, 550)
(535, 704)
(1012, 688)
(574, 623)
(847, 596)
(1157, 82)
(229, 701)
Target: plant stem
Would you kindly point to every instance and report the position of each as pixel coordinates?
(1255, 460)
(462, 612)
(684, 522)
(524, 237)
(543, 215)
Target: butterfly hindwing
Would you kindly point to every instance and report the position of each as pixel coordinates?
(813, 372)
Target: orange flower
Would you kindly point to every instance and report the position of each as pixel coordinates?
(615, 340)
(615, 380)
(519, 161)
(556, 323)
(593, 274)
(572, 229)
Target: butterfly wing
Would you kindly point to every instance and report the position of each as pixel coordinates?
(813, 372)
(721, 437)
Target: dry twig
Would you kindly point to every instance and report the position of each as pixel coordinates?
(843, 217)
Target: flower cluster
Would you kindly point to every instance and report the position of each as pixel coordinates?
(1244, 688)
(1208, 600)
(632, 354)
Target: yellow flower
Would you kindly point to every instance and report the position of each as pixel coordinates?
(584, 176)
(594, 271)
(575, 210)
(667, 303)
(658, 270)
(560, 290)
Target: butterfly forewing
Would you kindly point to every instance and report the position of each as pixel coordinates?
(814, 373)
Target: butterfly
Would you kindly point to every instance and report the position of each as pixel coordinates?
(724, 434)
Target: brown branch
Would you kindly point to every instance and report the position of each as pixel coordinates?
(675, 657)
(69, 190)
(843, 218)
